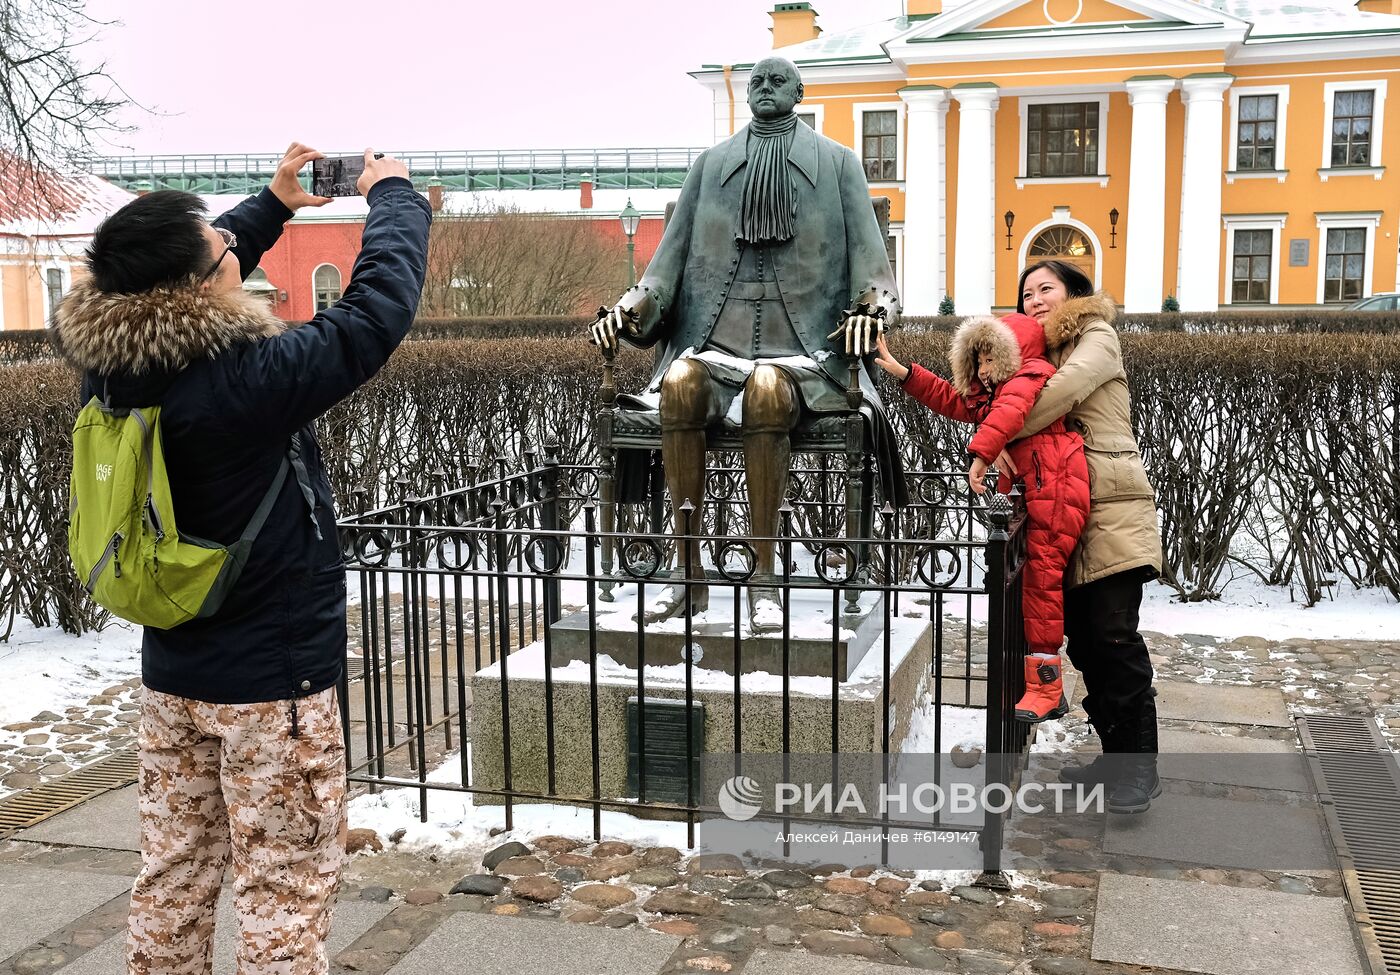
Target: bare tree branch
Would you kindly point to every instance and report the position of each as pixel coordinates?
(55, 110)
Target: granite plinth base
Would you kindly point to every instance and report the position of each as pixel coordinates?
(861, 700)
(718, 644)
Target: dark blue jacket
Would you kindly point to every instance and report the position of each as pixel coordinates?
(227, 419)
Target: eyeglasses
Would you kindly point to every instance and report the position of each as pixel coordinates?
(230, 240)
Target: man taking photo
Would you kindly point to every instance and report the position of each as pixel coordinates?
(241, 751)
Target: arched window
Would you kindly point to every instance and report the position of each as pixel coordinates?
(326, 282)
(1064, 243)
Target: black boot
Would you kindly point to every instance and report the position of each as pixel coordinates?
(1103, 769)
(1138, 784)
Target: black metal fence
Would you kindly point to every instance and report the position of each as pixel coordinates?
(499, 655)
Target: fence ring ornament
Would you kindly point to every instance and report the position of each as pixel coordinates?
(933, 491)
(721, 485)
(847, 565)
(641, 558)
(378, 555)
(458, 512)
(928, 557)
(584, 483)
(463, 552)
(748, 561)
(548, 548)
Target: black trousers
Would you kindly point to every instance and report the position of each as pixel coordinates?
(1101, 623)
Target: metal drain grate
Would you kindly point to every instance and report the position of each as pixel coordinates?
(1358, 782)
(36, 804)
(354, 668)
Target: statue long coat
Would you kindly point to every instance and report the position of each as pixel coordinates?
(835, 258)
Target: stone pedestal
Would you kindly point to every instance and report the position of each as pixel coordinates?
(861, 701)
(717, 644)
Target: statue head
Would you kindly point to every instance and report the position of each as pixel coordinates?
(775, 88)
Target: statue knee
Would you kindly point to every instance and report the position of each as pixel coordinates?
(770, 401)
(685, 395)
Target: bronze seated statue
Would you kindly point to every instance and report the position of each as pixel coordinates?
(773, 241)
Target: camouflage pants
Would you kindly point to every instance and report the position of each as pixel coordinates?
(228, 781)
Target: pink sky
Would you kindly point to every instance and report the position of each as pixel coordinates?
(251, 75)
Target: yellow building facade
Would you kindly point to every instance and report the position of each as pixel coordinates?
(1231, 152)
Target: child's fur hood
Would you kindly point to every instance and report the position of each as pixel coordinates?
(1065, 323)
(992, 340)
(162, 330)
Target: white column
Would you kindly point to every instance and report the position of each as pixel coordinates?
(975, 263)
(1147, 195)
(925, 269)
(1198, 267)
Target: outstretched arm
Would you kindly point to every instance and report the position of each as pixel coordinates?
(938, 394)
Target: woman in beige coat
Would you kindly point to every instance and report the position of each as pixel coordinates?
(1119, 549)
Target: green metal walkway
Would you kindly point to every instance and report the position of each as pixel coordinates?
(460, 170)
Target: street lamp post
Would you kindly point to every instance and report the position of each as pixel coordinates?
(630, 218)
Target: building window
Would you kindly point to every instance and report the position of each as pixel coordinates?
(1063, 243)
(1062, 140)
(892, 254)
(326, 282)
(1257, 137)
(808, 118)
(880, 145)
(1352, 112)
(1345, 273)
(53, 280)
(1250, 281)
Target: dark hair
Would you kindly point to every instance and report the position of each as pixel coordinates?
(156, 239)
(1077, 284)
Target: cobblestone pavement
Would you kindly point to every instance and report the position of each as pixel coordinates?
(725, 910)
(49, 744)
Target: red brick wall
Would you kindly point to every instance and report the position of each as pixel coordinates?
(292, 262)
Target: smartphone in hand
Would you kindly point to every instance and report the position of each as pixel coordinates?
(336, 175)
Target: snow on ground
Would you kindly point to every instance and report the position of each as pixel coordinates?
(49, 670)
(456, 823)
(1250, 608)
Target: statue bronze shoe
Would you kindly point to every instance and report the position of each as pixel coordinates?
(670, 601)
(765, 608)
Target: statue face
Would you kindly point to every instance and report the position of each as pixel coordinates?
(774, 88)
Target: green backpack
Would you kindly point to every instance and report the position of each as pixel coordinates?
(122, 537)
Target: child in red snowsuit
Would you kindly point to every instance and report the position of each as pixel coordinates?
(999, 367)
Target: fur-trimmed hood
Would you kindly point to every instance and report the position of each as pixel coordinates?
(1006, 342)
(157, 331)
(1066, 322)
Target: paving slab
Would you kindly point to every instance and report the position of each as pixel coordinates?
(765, 962)
(350, 920)
(486, 944)
(36, 901)
(1256, 763)
(1227, 833)
(109, 822)
(1196, 927)
(1222, 703)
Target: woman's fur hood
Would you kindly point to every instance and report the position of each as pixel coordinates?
(1065, 323)
(1006, 342)
(162, 330)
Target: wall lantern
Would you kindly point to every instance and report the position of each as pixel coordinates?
(1113, 228)
(1010, 218)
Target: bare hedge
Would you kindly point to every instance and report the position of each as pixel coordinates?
(1277, 455)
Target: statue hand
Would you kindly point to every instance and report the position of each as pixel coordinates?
(610, 321)
(861, 331)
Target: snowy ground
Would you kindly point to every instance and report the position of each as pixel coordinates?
(1250, 608)
(48, 670)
